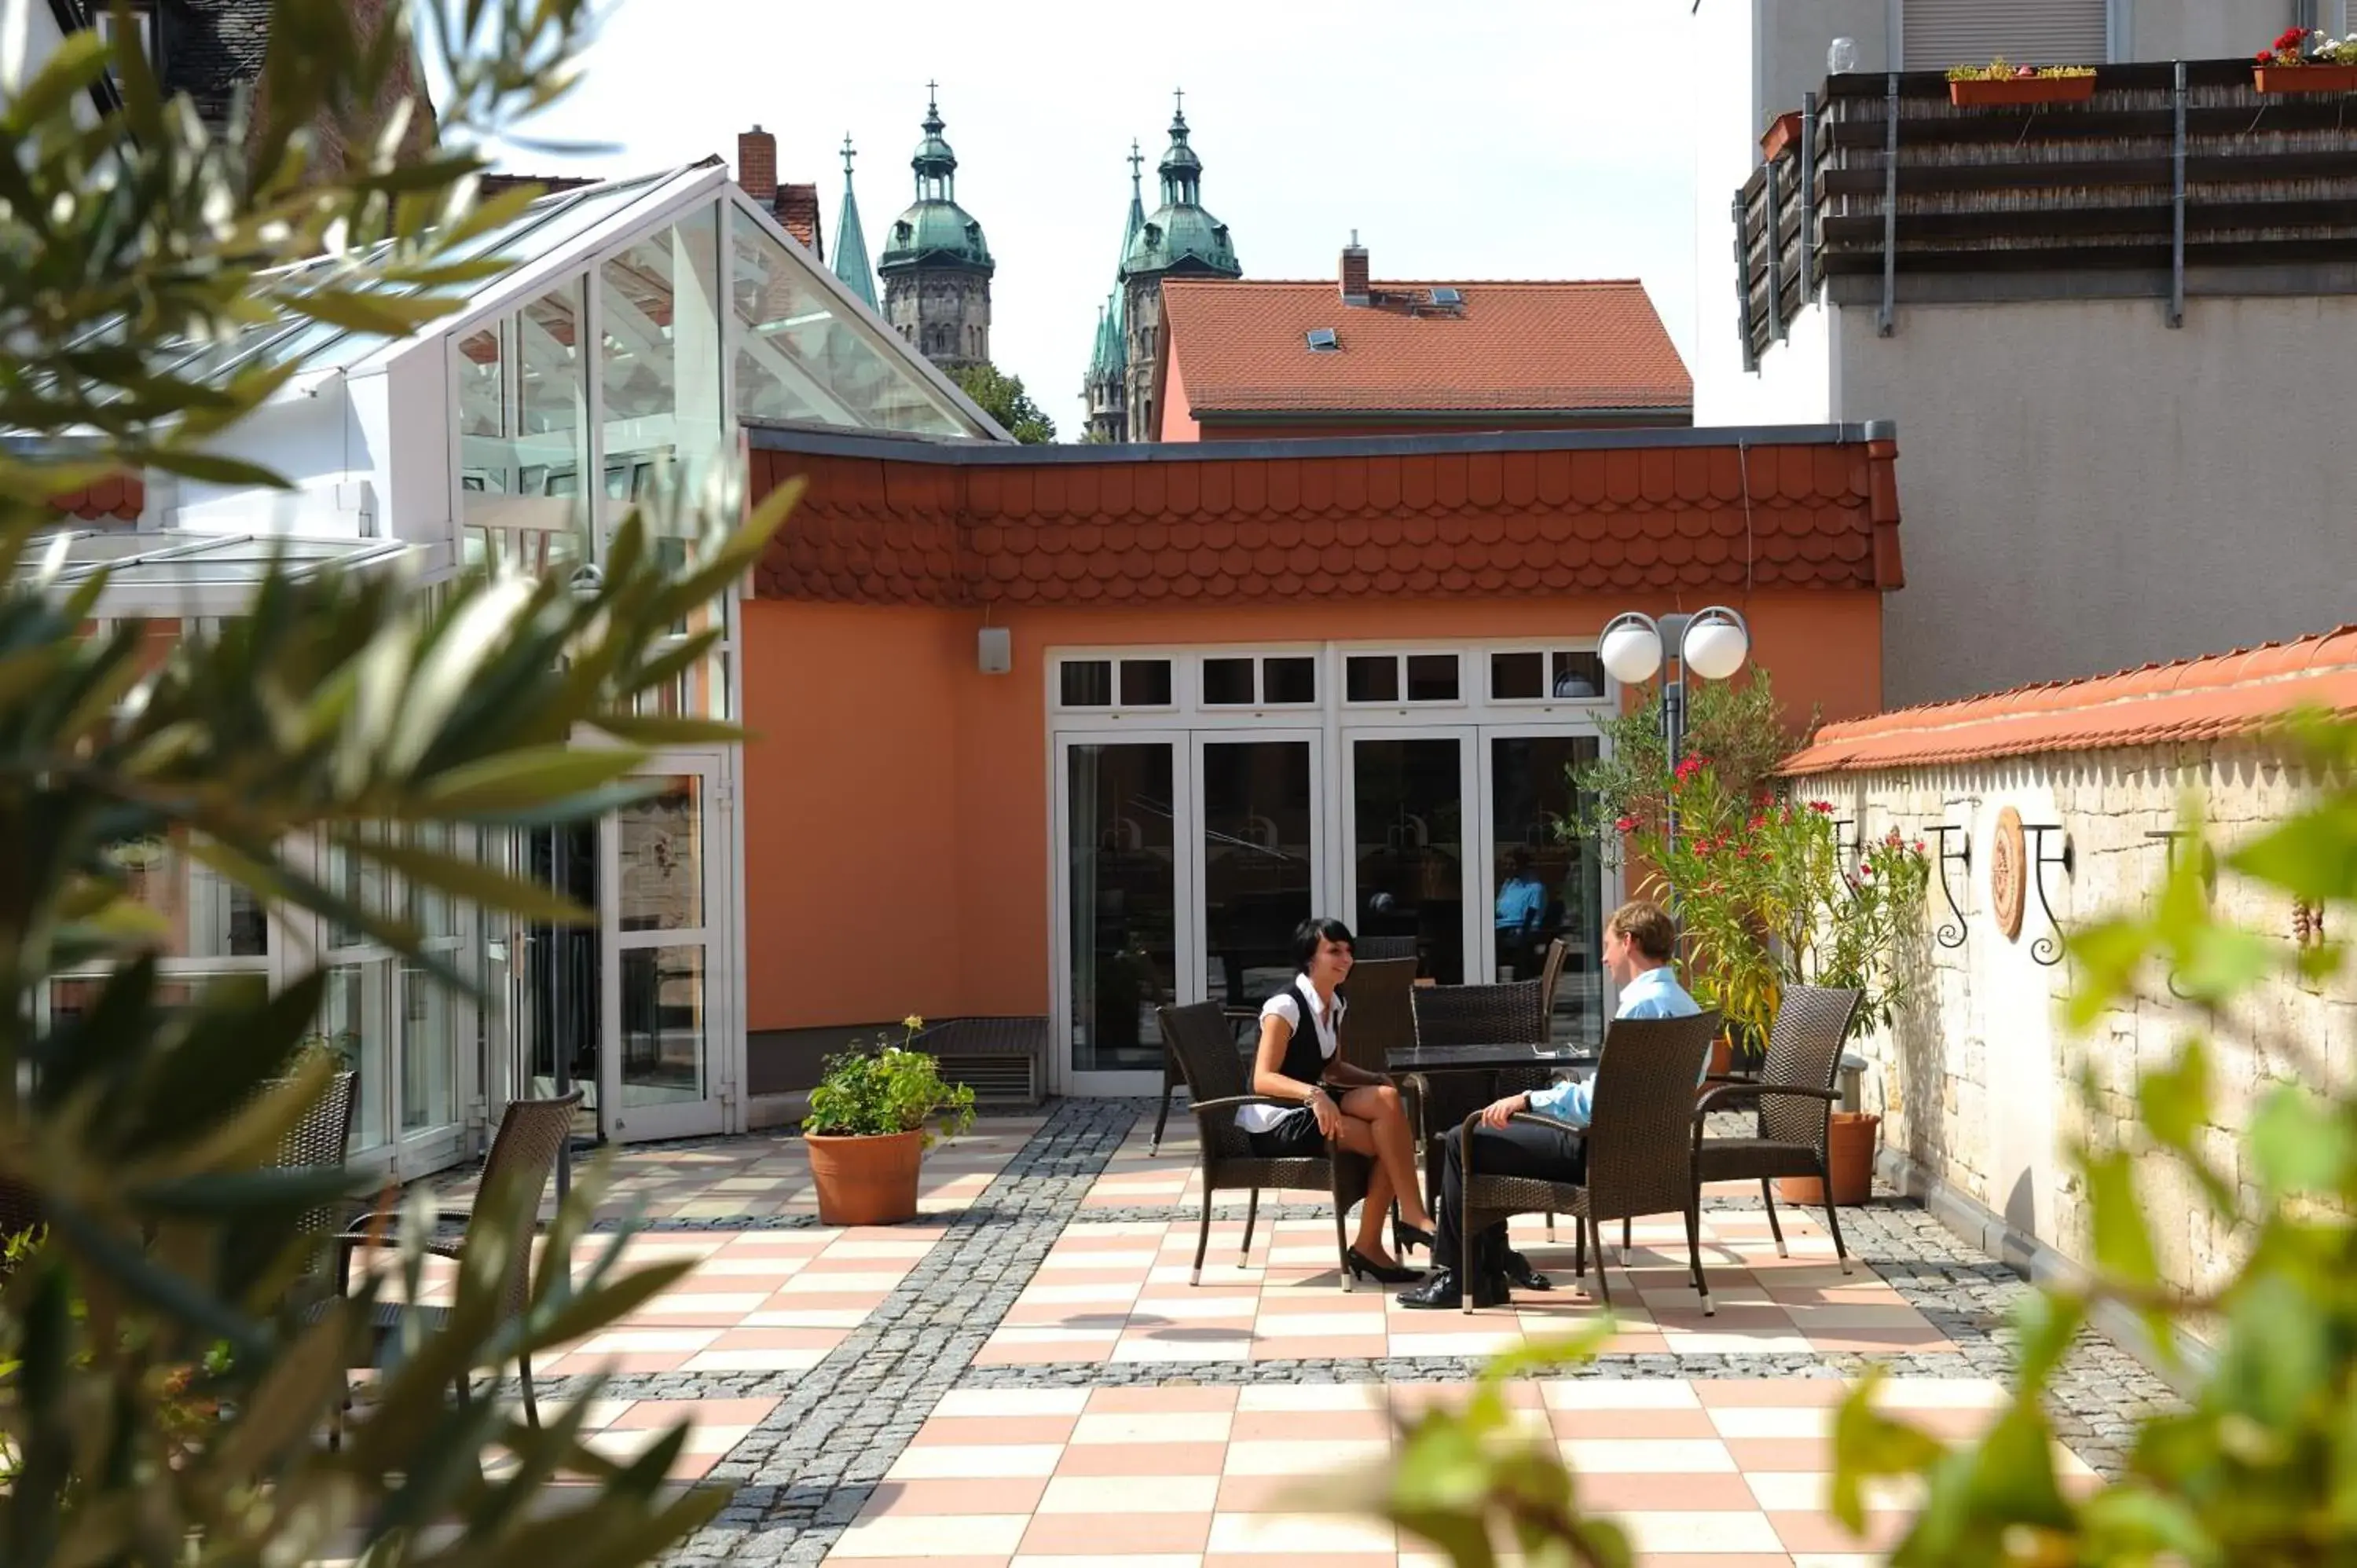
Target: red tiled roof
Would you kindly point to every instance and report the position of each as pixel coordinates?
(123, 497)
(1518, 521)
(2223, 694)
(797, 211)
(1241, 346)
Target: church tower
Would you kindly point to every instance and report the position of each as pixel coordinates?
(936, 266)
(851, 266)
(1181, 240)
(1106, 389)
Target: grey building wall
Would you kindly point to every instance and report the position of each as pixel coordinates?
(945, 313)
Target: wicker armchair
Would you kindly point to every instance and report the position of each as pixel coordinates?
(1375, 949)
(1795, 1093)
(1381, 1019)
(525, 1152)
(1468, 1015)
(1550, 976)
(1217, 1088)
(1645, 1102)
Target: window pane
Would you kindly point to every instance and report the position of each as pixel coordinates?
(1514, 677)
(1432, 678)
(1578, 675)
(204, 915)
(1087, 682)
(659, 361)
(355, 1022)
(1371, 678)
(1146, 682)
(1548, 890)
(1408, 808)
(663, 1026)
(663, 858)
(1122, 866)
(1257, 844)
(429, 1051)
(1227, 682)
(1288, 680)
(523, 430)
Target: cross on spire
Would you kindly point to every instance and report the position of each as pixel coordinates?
(1179, 95)
(849, 153)
(1136, 161)
(933, 95)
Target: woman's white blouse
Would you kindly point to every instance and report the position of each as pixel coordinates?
(1289, 1005)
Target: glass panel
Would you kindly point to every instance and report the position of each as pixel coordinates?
(798, 357)
(1408, 811)
(557, 1000)
(204, 915)
(1371, 678)
(663, 858)
(1146, 682)
(429, 1051)
(663, 1026)
(1516, 677)
(1087, 682)
(356, 880)
(356, 1023)
(659, 363)
(1227, 683)
(1257, 842)
(523, 441)
(1547, 888)
(1432, 678)
(1577, 675)
(1288, 680)
(429, 909)
(1125, 893)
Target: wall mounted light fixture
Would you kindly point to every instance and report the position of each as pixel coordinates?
(2048, 949)
(1951, 933)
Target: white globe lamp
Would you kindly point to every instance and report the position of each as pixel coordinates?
(1715, 644)
(1630, 649)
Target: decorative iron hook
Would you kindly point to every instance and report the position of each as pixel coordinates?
(1847, 853)
(1950, 934)
(2047, 949)
(2168, 837)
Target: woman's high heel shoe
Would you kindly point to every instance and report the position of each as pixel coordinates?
(1363, 1267)
(1405, 1236)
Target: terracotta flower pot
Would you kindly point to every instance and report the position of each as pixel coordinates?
(1849, 1150)
(1782, 133)
(2012, 92)
(2305, 78)
(866, 1180)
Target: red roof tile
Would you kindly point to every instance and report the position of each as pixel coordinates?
(1521, 523)
(2223, 694)
(1243, 347)
(123, 497)
(797, 211)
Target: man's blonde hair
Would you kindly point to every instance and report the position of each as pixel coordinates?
(1646, 924)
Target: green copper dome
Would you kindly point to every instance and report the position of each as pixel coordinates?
(1180, 236)
(935, 230)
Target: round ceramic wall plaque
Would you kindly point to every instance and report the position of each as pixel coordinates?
(2006, 873)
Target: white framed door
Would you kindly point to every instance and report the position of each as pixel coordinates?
(1538, 885)
(1257, 838)
(1409, 818)
(667, 982)
(1124, 887)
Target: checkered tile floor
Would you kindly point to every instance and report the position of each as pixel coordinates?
(1118, 1292)
(621, 1430)
(757, 1301)
(1729, 1472)
(767, 1176)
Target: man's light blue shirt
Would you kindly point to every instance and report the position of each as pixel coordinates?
(1655, 993)
(1520, 903)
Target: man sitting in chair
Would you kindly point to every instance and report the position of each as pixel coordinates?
(1639, 941)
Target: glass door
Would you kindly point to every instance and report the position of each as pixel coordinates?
(1542, 886)
(666, 926)
(1121, 884)
(555, 991)
(1260, 861)
(1405, 826)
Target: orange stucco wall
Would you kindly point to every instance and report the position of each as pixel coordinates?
(1265, 429)
(896, 806)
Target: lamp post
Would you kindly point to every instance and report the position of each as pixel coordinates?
(1708, 645)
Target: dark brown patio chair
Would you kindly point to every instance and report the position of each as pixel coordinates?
(1795, 1093)
(523, 1153)
(1382, 1018)
(1217, 1088)
(1644, 1097)
(1504, 1014)
(1366, 948)
(1550, 976)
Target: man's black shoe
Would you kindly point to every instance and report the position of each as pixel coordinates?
(1441, 1293)
(1522, 1275)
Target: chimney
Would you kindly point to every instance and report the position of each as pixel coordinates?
(757, 165)
(1355, 288)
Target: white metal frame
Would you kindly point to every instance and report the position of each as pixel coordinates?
(1191, 982)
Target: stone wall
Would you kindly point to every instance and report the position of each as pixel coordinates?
(1977, 1080)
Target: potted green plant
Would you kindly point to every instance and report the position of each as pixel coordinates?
(866, 1132)
(2305, 60)
(2002, 84)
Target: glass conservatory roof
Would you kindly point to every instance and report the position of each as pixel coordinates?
(171, 562)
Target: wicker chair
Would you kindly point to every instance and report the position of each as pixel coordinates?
(1795, 1091)
(1468, 1015)
(1375, 949)
(1644, 1100)
(1550, 976)
(320, 1139)
(1217, 1088)
(522, 1152)
(1381, 1019)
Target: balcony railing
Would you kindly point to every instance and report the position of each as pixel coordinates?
(2172, 179)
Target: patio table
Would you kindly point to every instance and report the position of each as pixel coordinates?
(1500, 1058)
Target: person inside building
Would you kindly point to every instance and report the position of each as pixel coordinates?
(1300, 1062)
(1638, 943)
(1522, 900)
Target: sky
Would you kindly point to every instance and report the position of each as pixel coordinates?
(1496, 139)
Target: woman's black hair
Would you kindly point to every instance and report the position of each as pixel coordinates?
(1313, 932)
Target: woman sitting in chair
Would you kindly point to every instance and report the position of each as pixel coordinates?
(1357, 1110)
